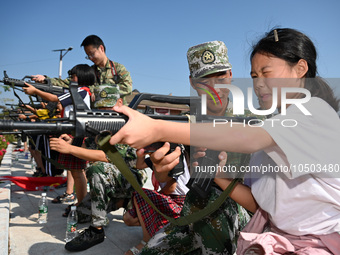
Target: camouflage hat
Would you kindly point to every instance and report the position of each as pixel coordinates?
(208, 58)
(106, 95)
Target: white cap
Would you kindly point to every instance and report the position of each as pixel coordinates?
(43, 194)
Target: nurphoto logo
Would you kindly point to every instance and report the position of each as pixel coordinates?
(238, 100)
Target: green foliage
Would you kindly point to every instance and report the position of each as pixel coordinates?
(6, 88)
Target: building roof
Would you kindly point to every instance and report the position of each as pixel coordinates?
(153, 104)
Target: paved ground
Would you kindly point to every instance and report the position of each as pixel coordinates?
(26, 236)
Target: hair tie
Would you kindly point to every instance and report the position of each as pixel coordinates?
(276, 36)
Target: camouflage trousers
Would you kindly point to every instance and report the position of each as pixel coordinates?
(107, 187)
(214, 234)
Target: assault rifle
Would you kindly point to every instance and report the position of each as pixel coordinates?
(11, 133)
(47, 87)
(85, 122)
(16, 115)
(202, 181)
(12, 105)
(18, 106)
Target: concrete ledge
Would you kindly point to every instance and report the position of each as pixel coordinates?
(5, 200)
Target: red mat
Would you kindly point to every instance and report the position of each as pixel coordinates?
(34, 183)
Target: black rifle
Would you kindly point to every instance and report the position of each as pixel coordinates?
(16, 115)
(85, 122)
(12, 106)
(34, 105)
(47, 87)
(202, 181)
(10, 133)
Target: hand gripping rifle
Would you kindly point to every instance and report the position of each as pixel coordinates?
(47, 87)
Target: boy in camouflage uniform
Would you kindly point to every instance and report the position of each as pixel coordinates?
(218, 232)
(107, 71)
(109, 190)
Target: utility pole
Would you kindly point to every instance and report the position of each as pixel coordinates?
(61, 58)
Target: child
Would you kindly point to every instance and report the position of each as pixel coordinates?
(84, 75)
(299, 211)
(169, 199)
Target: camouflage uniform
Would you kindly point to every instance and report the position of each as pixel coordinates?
(218, 232)
(214, 234)
(104, 76)
(107, 186)
(60, 82)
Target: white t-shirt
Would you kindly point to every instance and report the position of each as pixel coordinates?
(301, 202)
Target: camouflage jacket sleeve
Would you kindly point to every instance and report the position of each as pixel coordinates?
(130, 157)
(124, 81)
(128, 153)
(60, 82)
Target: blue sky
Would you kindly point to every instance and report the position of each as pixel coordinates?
(151, 37)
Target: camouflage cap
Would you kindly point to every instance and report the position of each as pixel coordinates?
(106, 95)
(208, 58)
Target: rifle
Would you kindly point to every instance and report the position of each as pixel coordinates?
(16, 115)
(201, 182)
(47, 87)
(85, 122)
(11, 133)
(34, 105)
(12, 105)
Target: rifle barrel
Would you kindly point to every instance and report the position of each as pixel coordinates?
(56, 127)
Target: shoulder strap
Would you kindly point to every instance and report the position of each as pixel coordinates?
(114, 71)
(115, 157)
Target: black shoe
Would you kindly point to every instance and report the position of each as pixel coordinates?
(83, 218)
(86, 239)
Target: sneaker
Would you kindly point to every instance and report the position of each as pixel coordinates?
(86, 239)
(67, 198)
